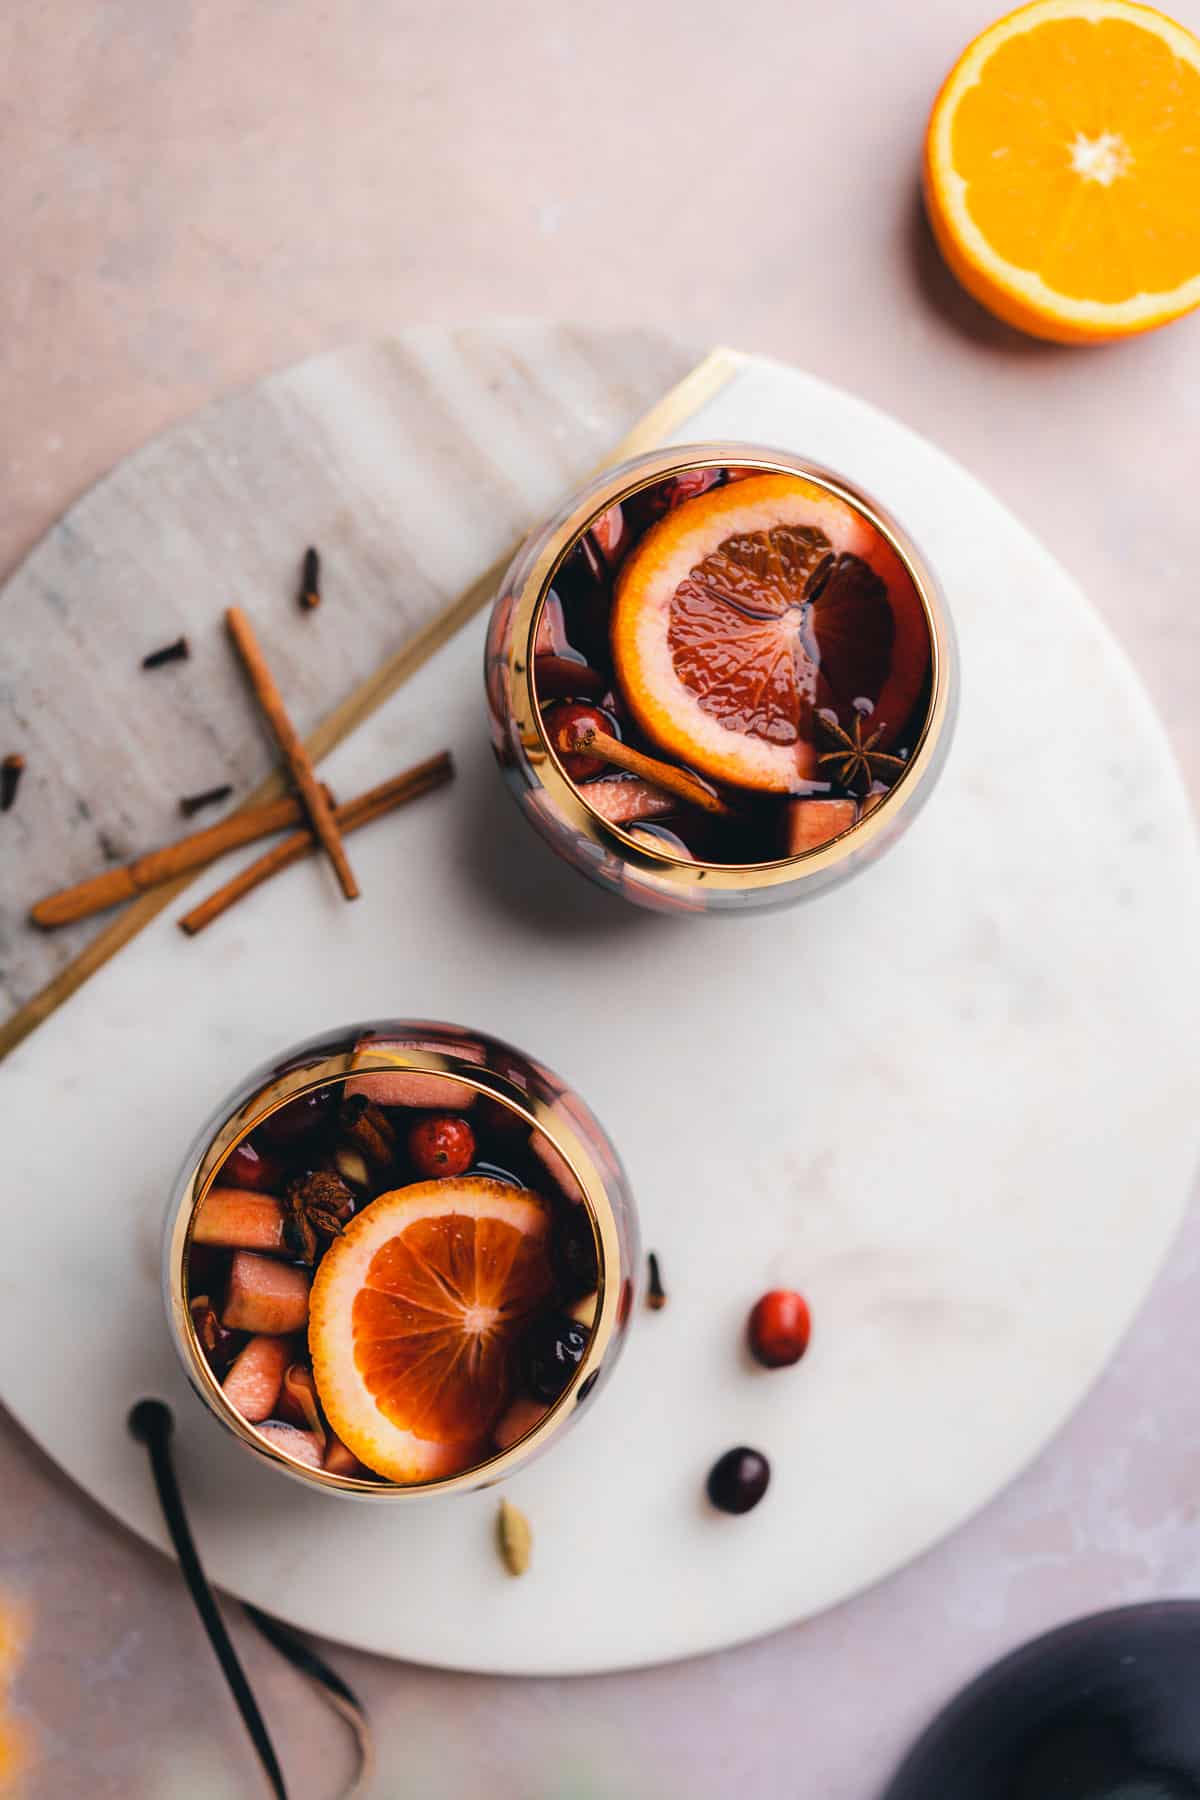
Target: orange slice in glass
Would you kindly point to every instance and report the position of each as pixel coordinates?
(750, 608)
(413, 1316)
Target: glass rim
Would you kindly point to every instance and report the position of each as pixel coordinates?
(239, 1116)
(593, 500)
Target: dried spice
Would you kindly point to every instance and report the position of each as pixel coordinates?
(179, 651)
(192, 803)
(515, 1538)
(318, 1206)
(310, 580)
(11, 770)
(856, 756)
(656, 1293)
(369, 1129)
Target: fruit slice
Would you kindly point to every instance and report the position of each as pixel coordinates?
(1062, 169)
(556, 1166)
(339, 1460)
(239, 1219)
(620, 798)
(810, 823)
(520, 1418)
(415, 1309)
(256, 1376)
(301, 1446)
(411, 1087)
(750, 607)
(265, 1295)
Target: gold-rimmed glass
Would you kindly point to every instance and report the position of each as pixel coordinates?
(493, 1069)
(633, 866)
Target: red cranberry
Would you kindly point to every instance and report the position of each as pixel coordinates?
(299, 1117)
(738, 1480)
(441, 1145)
(779, 1329)
(248, 1167)
(570, 716)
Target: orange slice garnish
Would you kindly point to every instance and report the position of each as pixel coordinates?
(1062, 169)
(750, 608)
(413, 1317)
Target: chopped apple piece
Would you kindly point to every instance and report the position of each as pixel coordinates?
(662, 839)
(340, 1461)
(255, 1377)
(521, 1417)
(620, 801)
(871, 801)
(239, 1219)
(810, 823)
(556, 1166)
(411, 1087)
(265, 1296)
(301, 1446)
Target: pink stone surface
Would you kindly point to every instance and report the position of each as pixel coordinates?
(198, 194)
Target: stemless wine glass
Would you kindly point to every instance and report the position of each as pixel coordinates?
(533, 666)
(295, 1157)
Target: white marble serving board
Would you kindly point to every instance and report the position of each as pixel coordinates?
(954, 1102)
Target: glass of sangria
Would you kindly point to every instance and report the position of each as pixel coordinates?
(399, 1259)
(720, 677)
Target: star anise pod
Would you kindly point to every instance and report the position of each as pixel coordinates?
(857, 756)
(318, 1206)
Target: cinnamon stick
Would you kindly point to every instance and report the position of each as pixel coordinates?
(587, 740)
(150, 871)
(361, 811)
(320, 813)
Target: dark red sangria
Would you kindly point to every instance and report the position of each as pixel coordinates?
(401, 1259)
(719, 678)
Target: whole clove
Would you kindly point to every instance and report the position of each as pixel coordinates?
(310, 581)
(194, 803)
(11, 770)
(656, 1293)
(179, 651)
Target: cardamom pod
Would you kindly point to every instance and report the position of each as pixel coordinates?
(514, 1537)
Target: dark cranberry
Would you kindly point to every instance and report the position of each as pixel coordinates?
(573, 1254)
(441, 1145)
(551, 1351)
(779, 1328)
(208, 1269)
(738, 1480)
(247, 1167)
(563, 721)
(298, 1118)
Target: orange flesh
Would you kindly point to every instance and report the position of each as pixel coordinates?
(1075, 93)
(758, 660)
(435, 1320)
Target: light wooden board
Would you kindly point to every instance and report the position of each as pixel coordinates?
(414, 465)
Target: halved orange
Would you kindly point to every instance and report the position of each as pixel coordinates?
(1062, 169)
(413, 1316)
(751, 607)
